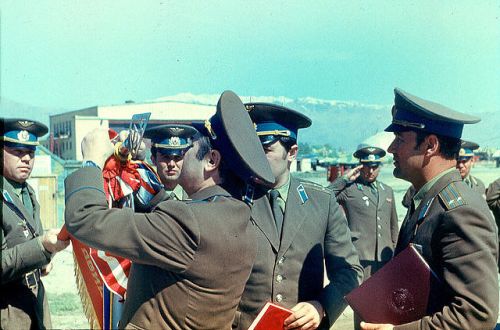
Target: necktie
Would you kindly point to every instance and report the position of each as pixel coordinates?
(27, 200)
(275, 207)
(373, 189)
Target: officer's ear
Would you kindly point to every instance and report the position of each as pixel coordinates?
(292, 153)
(214, 159)
(432, 145)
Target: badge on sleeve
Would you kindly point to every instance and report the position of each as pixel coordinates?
(302, 193)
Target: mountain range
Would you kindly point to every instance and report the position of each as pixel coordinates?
(340, 124)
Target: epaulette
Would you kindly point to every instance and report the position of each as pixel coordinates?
(315, 186)
(206, 200)
(451, 197)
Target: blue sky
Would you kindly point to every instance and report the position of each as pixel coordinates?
(74, 54)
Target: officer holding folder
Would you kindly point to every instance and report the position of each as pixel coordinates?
(446, 219)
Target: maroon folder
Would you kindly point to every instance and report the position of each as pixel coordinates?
(400, 292)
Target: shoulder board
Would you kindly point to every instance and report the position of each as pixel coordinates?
(451, 197)
(315, 186)
(206, 200)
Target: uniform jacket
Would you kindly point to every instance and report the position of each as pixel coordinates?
(493, 200)
(372, 220)
(476, 185)
(459, 241)
(292, 270)
(190, 259)
(22, 252)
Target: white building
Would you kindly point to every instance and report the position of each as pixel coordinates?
(68, 129)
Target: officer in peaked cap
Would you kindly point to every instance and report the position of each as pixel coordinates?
(26, 250)
(448, 222)
(370, 208)
(465, 162)
(190, 258)
(169, 143)
(289, 268)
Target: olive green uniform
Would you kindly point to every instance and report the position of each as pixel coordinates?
(458, 238)
(23, 303)
(371, 215)
(190, 259)
(290, 269)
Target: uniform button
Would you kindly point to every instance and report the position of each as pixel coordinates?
(379, 226)
(279, 278)
(281, 260)
(279, 297)
(378, 218)
(379, 235)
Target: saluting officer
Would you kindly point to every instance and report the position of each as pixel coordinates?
(465, 162)
(370, 211)
(299, 228)
(447, 221)
(26, 250)
(169, 143)
(190, 259)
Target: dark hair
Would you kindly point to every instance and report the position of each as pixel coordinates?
(204, 148)
(448, 146)
(205, 145)
(287, 142)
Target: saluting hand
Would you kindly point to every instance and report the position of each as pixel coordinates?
(353, 173)
(306, 315)
(374, 326)
(97, 147)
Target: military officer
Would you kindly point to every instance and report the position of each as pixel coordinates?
(493, 200)
(26, 250)
(190, 259)
(449, 223)
(169, 143)
(299, 227)
(465, 162)
(370, 211)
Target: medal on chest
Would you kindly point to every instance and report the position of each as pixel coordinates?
(367, 202)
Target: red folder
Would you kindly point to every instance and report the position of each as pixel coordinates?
(271, 317)
(402, 291)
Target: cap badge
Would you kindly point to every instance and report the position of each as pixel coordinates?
(23, 136)
(370, 149)
(372, 157)
(249, 107)
(174, 141)
(208, 126)
(176, 130)
(461, 152)
(25, 123)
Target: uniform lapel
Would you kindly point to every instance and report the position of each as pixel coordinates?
(408, 229)
(295, 215)
(15, 202)
(368, 193)
(263, 218)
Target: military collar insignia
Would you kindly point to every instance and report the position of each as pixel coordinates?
(7, 197)
(360, 186)
(302, 193)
